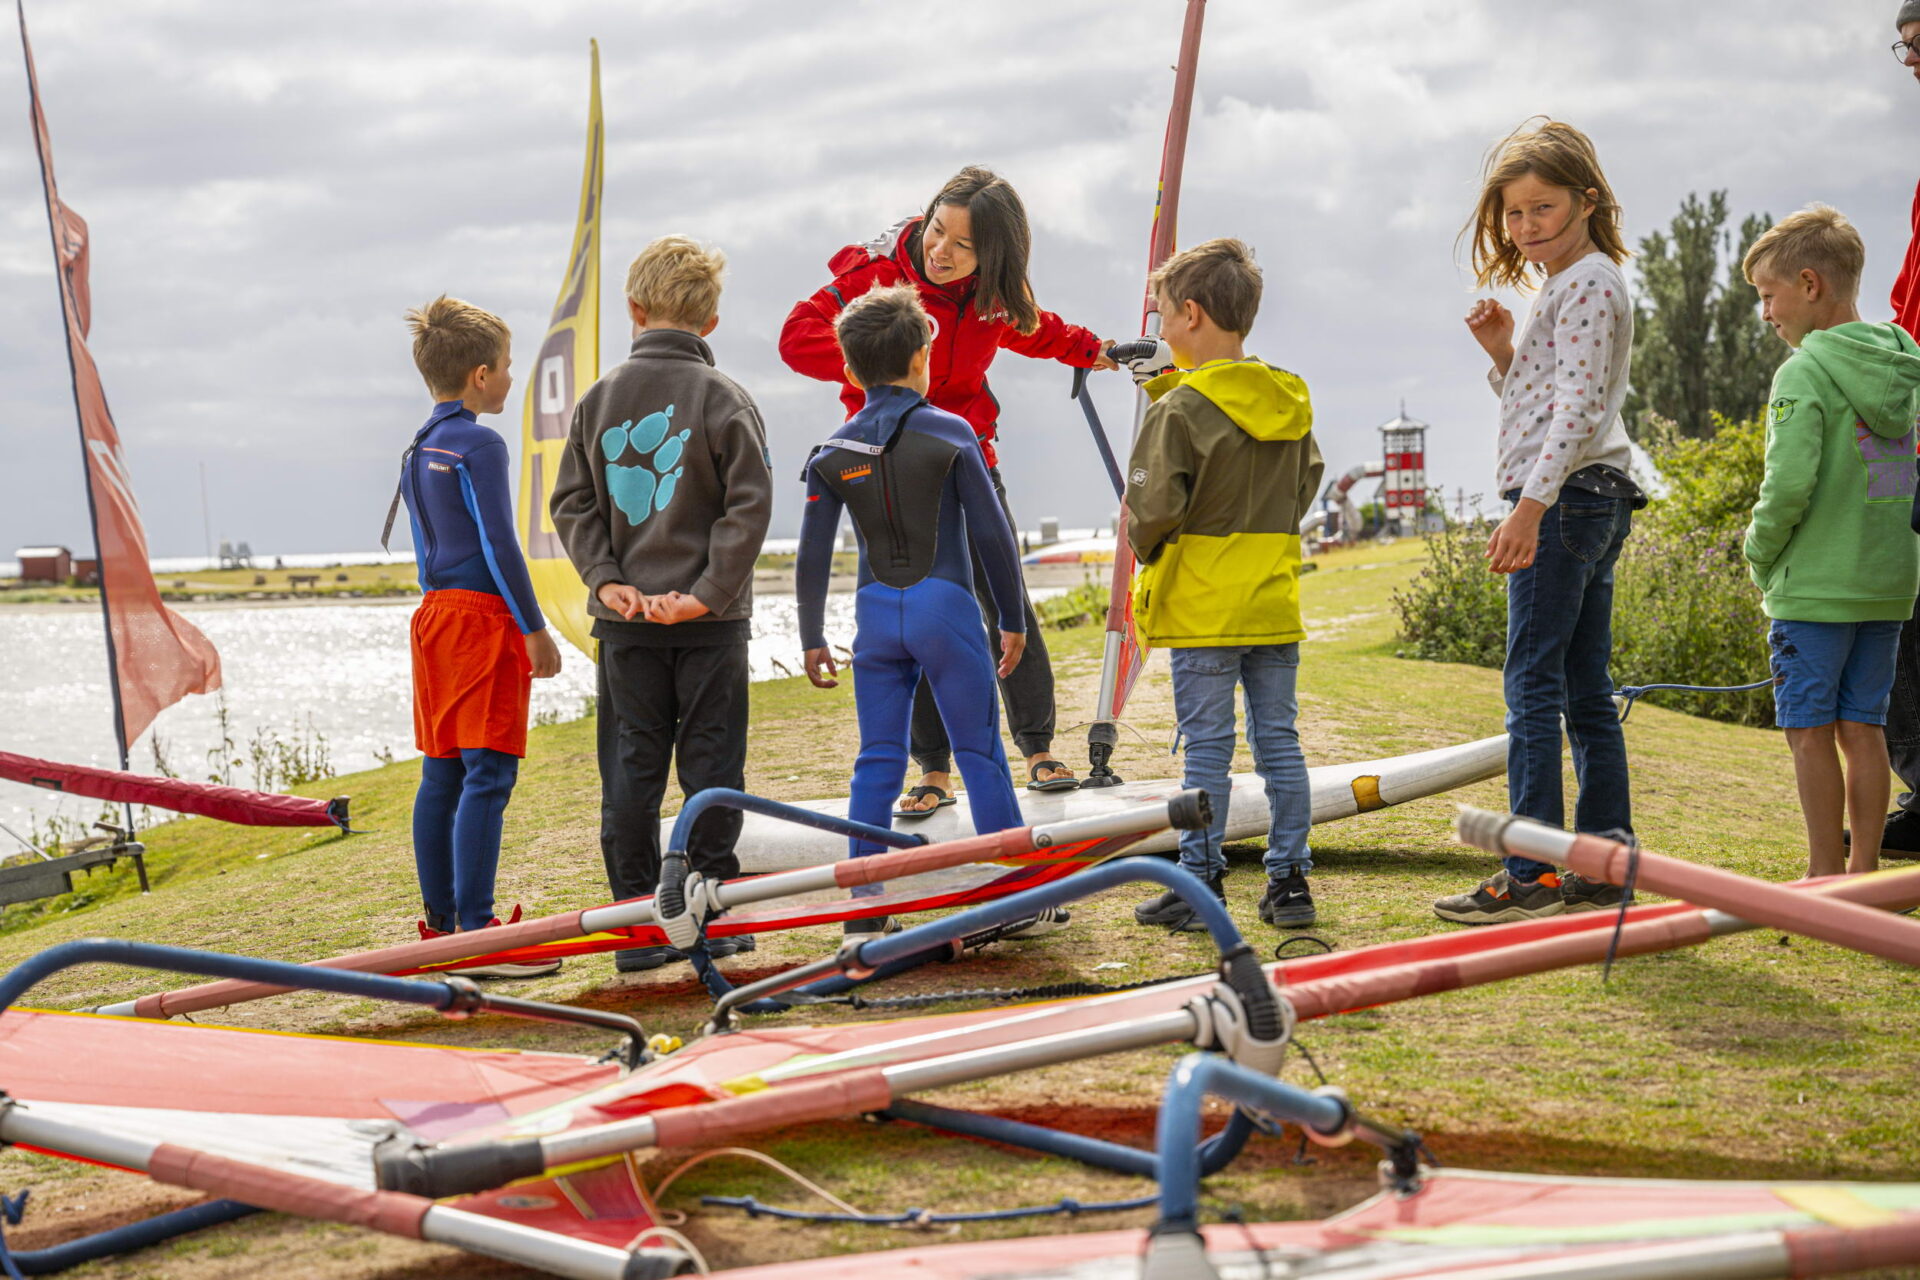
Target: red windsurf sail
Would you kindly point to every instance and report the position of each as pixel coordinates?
(204, 799)
(156, 656)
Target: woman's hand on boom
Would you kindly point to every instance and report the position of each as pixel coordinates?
(1106, 360)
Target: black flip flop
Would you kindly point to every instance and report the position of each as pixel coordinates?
(920, 793)
(1061, 781)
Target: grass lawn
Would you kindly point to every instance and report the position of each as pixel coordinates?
(1750, 1057)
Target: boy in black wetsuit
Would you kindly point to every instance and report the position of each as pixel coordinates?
(915, 481)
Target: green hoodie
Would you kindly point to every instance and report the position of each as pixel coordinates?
(1222, 472)
(1830, 539)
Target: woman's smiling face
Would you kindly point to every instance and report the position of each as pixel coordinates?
(946, 244)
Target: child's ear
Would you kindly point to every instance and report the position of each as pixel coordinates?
(852, 377)
(713, 321)
(918, 364)
(1811, 284)
(637, 313)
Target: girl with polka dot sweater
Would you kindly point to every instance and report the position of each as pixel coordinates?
(1547, 218)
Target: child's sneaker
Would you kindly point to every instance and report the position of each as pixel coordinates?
(872, 924)
(1287, 903)
(1577, 893)
(539, 969)
(645, 959)
(1502, 898)
(1170, 911)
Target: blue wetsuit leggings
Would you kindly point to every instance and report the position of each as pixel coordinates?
(456, 833)
(932, 627)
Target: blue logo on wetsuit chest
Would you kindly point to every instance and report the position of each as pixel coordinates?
(640, 490)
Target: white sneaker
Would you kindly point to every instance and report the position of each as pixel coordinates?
(507, 970)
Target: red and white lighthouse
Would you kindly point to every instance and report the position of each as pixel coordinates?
(1403, 480)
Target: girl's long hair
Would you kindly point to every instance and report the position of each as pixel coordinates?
(1001, 241)
(1559, 155)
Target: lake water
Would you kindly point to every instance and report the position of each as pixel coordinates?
(338, 671)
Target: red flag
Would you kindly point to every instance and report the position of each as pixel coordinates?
(156, 656)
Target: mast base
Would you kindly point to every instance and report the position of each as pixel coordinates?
(1102, 737)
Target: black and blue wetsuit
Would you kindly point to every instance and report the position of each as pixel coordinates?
(916, 484)
(460, 500)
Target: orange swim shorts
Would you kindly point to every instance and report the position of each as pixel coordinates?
(471, 676)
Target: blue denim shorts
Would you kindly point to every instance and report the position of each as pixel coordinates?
(1830, 671)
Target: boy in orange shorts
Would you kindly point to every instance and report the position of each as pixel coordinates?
(478, 637)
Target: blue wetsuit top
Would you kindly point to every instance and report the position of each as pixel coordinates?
(460, 502)
(917, 484)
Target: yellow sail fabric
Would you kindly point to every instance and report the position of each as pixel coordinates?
(568, 363)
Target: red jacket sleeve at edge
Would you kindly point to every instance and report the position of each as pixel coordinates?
(1055, 339)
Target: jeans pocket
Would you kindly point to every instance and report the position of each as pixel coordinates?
(1586, 528)
(1209, 661)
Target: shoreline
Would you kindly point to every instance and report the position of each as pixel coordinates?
(767, 582)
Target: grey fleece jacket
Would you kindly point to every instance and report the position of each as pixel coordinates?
(666, 483)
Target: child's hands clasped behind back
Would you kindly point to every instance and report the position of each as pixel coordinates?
(622, 599)
(675, 606)
(1492, 327)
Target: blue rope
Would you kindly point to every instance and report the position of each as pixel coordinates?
(926, 1218)
(1633, 692)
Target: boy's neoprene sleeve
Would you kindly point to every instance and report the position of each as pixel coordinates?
(992, 538)
(813, 566)
(489, 494)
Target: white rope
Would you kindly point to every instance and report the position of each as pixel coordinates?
(677, 1240)
(660, 1188)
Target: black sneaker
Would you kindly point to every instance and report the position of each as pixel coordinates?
(1577, 893)
(1287, 903)
(721, 948)
(872, 924)
(646, 959)
(1902, 839)
(1501, 899)
(1040, 924)
(1170, 911)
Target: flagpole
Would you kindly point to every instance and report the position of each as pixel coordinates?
(37, 116)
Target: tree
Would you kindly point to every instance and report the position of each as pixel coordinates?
(1699, 345)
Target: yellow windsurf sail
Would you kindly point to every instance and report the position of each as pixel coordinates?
(568, 363)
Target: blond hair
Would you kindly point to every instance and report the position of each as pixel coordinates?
(879, 333)
(677, 279)
(1220, 275)
(451, 339)
(1560, 156)
(1818, 238)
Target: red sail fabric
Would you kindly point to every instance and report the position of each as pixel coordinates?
(206, 799)
(157, 656)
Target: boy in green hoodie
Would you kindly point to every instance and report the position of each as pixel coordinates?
(1830, 541)
(1223, 470)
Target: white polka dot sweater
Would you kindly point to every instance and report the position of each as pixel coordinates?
(1560, 400)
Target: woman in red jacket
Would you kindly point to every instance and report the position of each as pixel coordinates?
(967, 258)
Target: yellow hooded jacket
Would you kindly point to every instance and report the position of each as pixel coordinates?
(1224, 469)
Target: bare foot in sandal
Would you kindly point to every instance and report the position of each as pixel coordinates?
(1044, 773)
(927, 801)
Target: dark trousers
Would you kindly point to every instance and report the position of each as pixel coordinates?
(684, 705)
(1559, 638)
(1903, 714)
(1027, 693)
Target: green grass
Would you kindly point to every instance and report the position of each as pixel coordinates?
(1745, 1058)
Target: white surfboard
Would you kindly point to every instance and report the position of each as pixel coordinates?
(1339, 791)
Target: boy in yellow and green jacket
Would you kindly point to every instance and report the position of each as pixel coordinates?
(1222, 472)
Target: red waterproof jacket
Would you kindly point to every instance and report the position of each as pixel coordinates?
(964, 343)
(1906, 288)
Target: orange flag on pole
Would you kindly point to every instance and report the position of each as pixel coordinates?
(155, 656)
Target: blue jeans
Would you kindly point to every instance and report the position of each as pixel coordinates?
(932, 628)
(1559, 638)
(457, 816)
(1203, 685)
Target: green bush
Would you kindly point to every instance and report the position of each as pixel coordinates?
(1684, 609)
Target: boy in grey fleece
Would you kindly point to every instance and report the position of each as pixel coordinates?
(662, 502)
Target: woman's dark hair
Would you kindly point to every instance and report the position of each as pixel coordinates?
(1001, 241)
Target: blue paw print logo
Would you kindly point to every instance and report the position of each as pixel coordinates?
(640, 490)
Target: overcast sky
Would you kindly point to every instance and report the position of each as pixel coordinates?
(270, 186)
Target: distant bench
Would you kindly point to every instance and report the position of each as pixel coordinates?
(299, 580)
